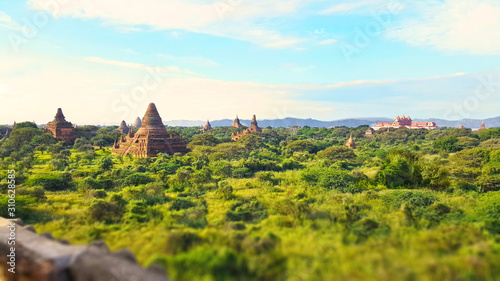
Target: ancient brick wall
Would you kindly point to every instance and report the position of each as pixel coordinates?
(41, 258)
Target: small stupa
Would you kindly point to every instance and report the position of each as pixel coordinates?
(483, 127)
(350, 143)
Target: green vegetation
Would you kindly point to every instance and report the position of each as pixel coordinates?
(286, 204)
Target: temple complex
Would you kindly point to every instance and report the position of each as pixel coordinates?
(350, 143)
(405, 122)
(138, 122)
(461, 127)
(254, 128)
(123, 128)
(207, 127)
(152, 138)
(369, 133)
(61, 129)
(237, 123)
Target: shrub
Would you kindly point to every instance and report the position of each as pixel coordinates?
(290, 164)
(138, 179)
(106, 211)
(467, 186)
(209, 264)
(97, 193)
(247, 211)
(36, 192)
(51, 182)
(225, 191)
(180, 242)
(22, 202)
(221, 168)
(181, 204)
(411, 198)
(241, 173)
(330, 179)
(337, 153)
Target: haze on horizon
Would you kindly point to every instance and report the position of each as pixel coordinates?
(104, 61)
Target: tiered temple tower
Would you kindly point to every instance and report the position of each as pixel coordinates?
(60, 128)
(207, 127)
(138, 122)
(152, 138)
(254, 128)
(350, 143)
(123, 128)
(237, 123)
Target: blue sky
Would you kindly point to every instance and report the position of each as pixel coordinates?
(104, 61)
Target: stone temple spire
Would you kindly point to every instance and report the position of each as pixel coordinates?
(237, 123)
(123, 128)
(254, 121)
(138, 122)
(59, 115)
(207, 127)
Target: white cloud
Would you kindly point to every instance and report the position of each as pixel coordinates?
(363, 6)
(8, 23)
(139, 66)
(327, 42)
(296, 68)
(241, 20)
(453, 25)
(200, 61)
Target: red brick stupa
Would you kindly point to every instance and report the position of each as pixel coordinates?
(254, 128)
(207, 127)
(61, 129)
(123, 128)
(152, 138)
(237, 123)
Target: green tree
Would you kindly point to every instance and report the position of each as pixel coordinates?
(337, 153)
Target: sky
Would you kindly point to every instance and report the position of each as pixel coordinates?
(104, 61)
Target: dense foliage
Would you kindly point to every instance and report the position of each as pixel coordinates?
(286, 204)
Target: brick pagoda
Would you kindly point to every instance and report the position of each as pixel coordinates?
(254, 128)
(207, 127)
(152, 138)
(237, 123)
(123, 128)
(61, 129)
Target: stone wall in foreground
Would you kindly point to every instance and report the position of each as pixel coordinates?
(41, 258)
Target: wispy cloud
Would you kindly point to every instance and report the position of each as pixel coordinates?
(139, 66)
(361, 7)
(327, 42)
(8, 23)
(452, 25)
(199, 61)
(241, 20)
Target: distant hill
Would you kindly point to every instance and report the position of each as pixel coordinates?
(353, 122)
